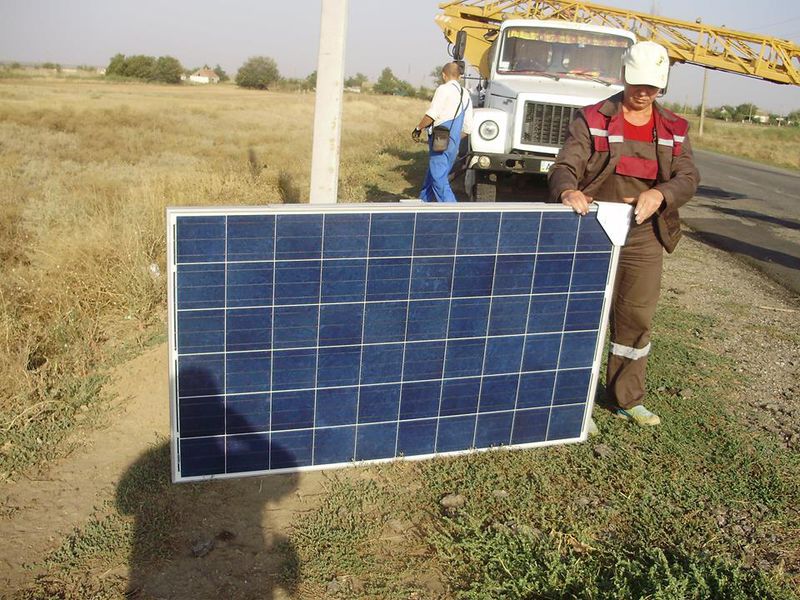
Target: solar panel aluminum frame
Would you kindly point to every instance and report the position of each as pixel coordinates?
(615, 218)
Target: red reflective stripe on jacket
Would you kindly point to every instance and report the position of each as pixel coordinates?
(597, 121)
(670, 129)
(665, 133)
(679, 131)
(633, 166)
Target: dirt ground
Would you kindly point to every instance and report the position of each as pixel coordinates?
(758, 325)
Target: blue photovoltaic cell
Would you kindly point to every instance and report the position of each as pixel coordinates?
(305, 339)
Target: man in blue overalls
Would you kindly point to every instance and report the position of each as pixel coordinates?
(451, 107)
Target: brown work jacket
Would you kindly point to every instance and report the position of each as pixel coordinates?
(579, 167)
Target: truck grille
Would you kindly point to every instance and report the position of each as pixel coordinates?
(546, 124)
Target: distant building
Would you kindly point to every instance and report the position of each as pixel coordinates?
(204, 76)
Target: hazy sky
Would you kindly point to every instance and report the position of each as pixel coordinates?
(399, 34)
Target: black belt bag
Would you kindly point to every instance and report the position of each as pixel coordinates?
(441, 138)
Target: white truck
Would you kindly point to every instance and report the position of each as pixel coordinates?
(539, 74)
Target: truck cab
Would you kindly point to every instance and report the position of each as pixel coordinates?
(541, 73)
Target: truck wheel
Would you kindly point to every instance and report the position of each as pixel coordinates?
(485, 191)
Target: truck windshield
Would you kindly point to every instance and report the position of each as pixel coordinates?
(563, 53)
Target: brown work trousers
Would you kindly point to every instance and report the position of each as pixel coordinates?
(636, 292)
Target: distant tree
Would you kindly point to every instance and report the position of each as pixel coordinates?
(51, 65)
(259, 72)
(309, 82)
(744, 112)
(15, 65)
(223, 76)
(436, 75)
(140, 67)
(386, 83)
(794, 117)
(164, 68)
(116, 66)
(720, 112)
(168, 70)
(390, 85)
(356, 81)
(405, 89)
(425, 93)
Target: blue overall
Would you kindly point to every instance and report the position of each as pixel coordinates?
(437, 187)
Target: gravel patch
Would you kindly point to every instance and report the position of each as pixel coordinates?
(758, 327)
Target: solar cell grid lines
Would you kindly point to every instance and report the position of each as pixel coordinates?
(310, 337)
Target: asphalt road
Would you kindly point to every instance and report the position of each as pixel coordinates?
(748, 209)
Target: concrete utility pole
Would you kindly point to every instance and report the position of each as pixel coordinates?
(328, 104)
(703, 103)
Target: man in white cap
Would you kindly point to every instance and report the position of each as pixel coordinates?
(630, 149)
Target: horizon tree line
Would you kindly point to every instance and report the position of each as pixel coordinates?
(257, 72)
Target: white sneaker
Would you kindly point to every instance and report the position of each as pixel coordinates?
(639, 415)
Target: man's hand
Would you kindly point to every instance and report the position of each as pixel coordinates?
(646, 204)
(415, 134)
(577, 201)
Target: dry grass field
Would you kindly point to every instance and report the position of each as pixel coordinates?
(779, 146)
(86, 170)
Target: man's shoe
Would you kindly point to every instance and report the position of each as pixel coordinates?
(639, 415)
(591, 428)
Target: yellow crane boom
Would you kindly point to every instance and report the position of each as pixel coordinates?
(719, 48)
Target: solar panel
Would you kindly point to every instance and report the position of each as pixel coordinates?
(306, 337)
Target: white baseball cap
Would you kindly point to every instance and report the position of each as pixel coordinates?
(646, 63)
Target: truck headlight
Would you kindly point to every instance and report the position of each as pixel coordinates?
(488, 130)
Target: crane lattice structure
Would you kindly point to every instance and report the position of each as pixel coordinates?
(719, 48)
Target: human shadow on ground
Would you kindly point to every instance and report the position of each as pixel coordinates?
(374, 193)
(740, 247)
(208, 539)
(755, 216)
(715, 193)
(412, 166)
